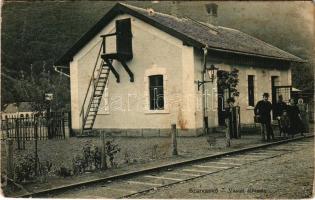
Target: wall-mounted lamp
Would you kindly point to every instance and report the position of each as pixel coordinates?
(211, 71)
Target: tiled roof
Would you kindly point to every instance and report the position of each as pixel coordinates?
(195, 33)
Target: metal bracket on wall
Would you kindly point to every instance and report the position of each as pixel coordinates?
(111, 67)
(127, 70)
(201, 83)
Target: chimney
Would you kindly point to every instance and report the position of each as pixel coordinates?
(212, 12)
(174, 8)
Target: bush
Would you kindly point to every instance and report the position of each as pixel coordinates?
(63, 171)
(25, 169)
(88, 161)
(111, 150)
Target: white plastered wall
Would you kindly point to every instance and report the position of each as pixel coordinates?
(262, 83)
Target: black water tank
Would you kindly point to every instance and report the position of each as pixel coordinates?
(124, 38)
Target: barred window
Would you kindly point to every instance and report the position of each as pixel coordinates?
(156, 92)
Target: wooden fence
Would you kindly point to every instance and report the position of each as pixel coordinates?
(33, 127)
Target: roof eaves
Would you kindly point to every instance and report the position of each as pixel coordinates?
(299, 60)
(164, 28)
(293, 57)
(87, 36)
(66, 58)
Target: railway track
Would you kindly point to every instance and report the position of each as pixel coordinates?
(134, 184)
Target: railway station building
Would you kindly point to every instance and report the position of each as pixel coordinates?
(137, 71)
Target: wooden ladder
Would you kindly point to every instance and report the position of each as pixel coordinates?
(97, 85)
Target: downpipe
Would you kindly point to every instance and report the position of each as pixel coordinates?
(204, 109)
(60, 71)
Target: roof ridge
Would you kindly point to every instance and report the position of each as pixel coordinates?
(146, 9)
(207, 25)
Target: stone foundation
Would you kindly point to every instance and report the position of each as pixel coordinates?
(147, 132)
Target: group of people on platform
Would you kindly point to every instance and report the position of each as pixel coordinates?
(292, 118)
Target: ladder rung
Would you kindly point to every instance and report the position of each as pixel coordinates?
(88, 119)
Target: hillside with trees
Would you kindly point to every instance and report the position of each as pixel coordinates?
(35, 34)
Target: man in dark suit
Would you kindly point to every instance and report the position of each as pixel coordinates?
(262, 111)
(278, 111)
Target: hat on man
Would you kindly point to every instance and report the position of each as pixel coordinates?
(266, 94)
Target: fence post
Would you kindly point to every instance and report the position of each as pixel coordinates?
(48, 124)
(36, 147)
(227, 133)
(70, 124)
(103, 152)
(238, 119)
(174, 141)
(7, 126)
(63, 125)
(9, 152)
(23, 131)
(17, 129)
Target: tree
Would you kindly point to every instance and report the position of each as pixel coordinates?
(229, 81)
(32, 88)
